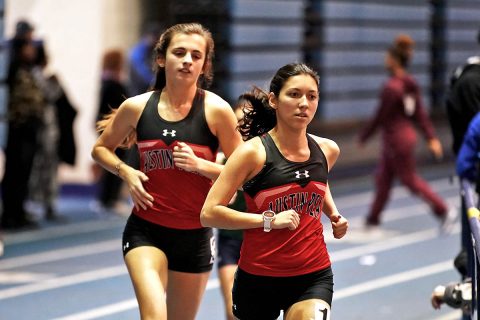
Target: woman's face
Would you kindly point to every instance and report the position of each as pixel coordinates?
(297, 101)
(185, 57)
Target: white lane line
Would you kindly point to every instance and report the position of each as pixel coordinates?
(59, 282)
(388, 243)
(61, 231)
(61, 254)
(455, 315)
(94, 275)
(393, 279)
(102, 311)
(119, 306)
(23, 277)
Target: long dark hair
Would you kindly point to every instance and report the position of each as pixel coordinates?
(259, 117)
(160, 51)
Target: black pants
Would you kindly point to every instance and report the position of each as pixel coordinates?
(19, 155)
(110, 184)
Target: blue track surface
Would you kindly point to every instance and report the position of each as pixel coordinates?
(75, 270)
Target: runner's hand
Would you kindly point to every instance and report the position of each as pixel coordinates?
(134, 179)
(286, 219)
(184, 157)
(339, 225)
(436, 148)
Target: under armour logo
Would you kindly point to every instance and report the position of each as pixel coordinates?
(171, 133)
(126, 246)
(299, 174)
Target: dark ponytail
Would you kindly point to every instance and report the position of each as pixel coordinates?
(160, 79)
(258, 116)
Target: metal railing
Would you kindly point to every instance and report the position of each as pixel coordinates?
(473, 215)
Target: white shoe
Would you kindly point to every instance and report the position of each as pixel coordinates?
(448, 221)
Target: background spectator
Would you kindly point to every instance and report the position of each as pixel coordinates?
(26, 106)
(112, 93)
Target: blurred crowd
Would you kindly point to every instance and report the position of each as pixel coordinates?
(40, 119)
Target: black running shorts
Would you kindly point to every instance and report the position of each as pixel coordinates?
(189, 251)
(262, 298)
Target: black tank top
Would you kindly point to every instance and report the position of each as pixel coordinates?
(279, 171)
(178, 194)
(193, 128)
(282, 185)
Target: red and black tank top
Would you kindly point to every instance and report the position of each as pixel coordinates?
(279, 186)
(178, 195)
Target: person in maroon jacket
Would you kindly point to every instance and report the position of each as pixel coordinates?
(178, 128)
(399, 109)
(284, 263)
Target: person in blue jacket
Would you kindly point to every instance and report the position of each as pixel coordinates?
(140, 72)
(468, 155)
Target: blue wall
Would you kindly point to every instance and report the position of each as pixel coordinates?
(345, 41)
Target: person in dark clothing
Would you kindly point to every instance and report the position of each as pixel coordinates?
(462, 104)
(400, 107)
(113, 90)
(44, 184)
(459, 294)
(24, 30)
(112, 93)
(25, 109)
(463, 100)
(467, 159)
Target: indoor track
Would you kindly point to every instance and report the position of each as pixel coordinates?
(75, 270)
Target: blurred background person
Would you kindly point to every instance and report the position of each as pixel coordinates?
(26, 105)
(459, 294)
(399, 108)
(55, 140)
(24, 30)
(140, 60)
(468, 154)
(113, 92)
(462, 105)
(463, 99)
